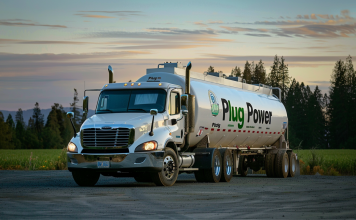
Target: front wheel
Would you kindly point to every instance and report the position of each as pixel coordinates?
(85, 178)
(169, 173)
(242, 168)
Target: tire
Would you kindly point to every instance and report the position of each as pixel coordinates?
(292, 164)
(227, 165)
(85, 178)
(169, 173)
(281, 164)
(269, 165)
(214, 173)
(142, 177)
(242, 169)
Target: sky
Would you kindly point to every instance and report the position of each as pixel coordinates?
(48, 48)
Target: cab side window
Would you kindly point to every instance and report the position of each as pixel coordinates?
(174, 103)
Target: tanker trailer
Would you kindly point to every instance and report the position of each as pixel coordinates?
(172, 120)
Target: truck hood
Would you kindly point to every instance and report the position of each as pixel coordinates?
(140, 121)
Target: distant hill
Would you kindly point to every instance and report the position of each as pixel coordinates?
(28, 113)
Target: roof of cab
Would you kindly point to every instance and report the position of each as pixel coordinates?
(139, 85)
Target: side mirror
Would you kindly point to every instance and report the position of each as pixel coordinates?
(184, 103)
(153, 112)
(86, 104)
(70, 115)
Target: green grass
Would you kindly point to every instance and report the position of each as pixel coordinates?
(33, 159)
(330, 162)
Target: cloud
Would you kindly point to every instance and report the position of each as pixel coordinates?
(306, 16)
(215, 22)
(161, 47)
(313, 16)
(259, 35)
(94, 16)
(67, 56)
(200, 24)
(14, 41)
(324, 16)
(121, 13)
(22, 24)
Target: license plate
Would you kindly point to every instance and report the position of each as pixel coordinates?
(103, 164)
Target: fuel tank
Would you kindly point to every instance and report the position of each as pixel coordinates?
(231, 113)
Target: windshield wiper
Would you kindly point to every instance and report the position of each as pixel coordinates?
(138, 109)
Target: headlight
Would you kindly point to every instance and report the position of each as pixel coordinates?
(147, 146)
(72, 148)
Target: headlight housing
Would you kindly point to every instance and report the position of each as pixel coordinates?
(72, 148)
(147, 146)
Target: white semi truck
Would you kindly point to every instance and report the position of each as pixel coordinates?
(172, 121)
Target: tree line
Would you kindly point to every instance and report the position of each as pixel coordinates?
(54, 134)
(316, 120)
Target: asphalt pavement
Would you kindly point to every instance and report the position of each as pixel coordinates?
(55, 195)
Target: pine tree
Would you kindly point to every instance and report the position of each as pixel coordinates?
(247, 74)
(339, 126)
(75, 110)
(20, 129)
(259, 75)
(10, 122)
(211, 69)
(38, 126)
(274, 77)
(52, 136)
(5, 134)
(285, 78)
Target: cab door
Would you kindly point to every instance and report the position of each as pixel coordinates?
(176, 122)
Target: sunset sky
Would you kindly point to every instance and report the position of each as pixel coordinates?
(47, 48)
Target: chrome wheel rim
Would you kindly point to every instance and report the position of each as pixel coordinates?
(217, 165)
(293, 164)
(286, 164)
(228, 166)
(168, 167)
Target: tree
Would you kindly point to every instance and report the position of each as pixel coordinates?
(284, 76)
(20, 129)
(52, 135)
(5, 134)
(75, 110)
(247, 74)
(211, 69)
(236, 72)
(259, 74)
(274, 78)
(38, 119)
(10, 122)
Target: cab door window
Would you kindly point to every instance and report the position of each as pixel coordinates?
(174, 103)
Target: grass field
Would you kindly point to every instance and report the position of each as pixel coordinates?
(325, 162)
(33, 159)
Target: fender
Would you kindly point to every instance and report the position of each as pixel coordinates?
(203, 157)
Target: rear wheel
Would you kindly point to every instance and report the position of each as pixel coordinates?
(169, 173)
(242, 169)
(227, 165)
(85, 178)
(282, 164)
(292, 164)
(269, 165)
(214, 173)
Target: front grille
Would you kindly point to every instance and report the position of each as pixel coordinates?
(125, 150)
(97, 137)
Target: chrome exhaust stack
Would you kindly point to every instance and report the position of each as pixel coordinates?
(111, 74)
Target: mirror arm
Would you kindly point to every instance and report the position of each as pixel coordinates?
(75, 131)
(153, 120)
(180, 118)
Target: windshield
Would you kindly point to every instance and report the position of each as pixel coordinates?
(143, 100)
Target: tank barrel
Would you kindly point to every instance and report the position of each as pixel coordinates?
(111, 74)
(187, 78)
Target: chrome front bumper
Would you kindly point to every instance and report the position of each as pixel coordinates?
(128, 162)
